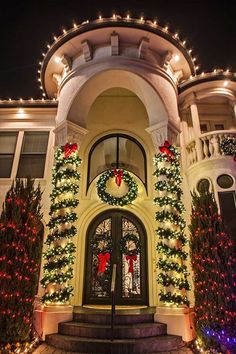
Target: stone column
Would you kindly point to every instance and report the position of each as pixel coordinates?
(196, 129)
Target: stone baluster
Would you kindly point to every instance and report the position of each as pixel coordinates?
(194, 152)
(215, 143)
(211, 147)
(205, 147)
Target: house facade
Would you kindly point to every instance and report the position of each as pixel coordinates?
(119, 88)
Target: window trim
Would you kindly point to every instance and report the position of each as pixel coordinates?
(21, 153)
(117, 136)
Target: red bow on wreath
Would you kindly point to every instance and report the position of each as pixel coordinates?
(118, 175)
(166, 149)
(103, 258)
(69, 148)
(131, 260)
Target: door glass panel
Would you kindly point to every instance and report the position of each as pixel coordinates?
(131, 267)
(101, 247)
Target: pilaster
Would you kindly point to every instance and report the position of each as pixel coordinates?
(69, 132)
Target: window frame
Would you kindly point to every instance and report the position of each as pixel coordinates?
(117, 136)
(16, 132)
(33, 153)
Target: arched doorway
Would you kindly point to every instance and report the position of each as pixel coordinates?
(116, 236)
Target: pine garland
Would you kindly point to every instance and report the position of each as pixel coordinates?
(60, 258)
(173, 273)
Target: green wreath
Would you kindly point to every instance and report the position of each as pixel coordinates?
(112, 200)
(228, 146)
(125, 248)
(101, 243)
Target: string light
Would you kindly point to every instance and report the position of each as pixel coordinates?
(58, 268)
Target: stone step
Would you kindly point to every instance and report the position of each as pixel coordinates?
(92, 330)
(158, 344)
(120, 318)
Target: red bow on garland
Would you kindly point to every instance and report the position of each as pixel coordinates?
(69, 148)
(166, 149)
(103, 258)
(131, 260)
(118, 175)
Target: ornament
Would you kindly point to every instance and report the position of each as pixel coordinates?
(103, 258)
(166, 149)
(69, 148)
(118, 174)
(131, 260)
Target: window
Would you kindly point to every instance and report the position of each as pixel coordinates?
(225, 181)
(117, 151)
(203, 128)
(219, 127)
(203, 185)
(33, 155)
(7, 151)
(228, 211)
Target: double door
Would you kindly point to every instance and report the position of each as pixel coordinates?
(116, 237)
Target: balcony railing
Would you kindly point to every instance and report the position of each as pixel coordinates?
(207, 146)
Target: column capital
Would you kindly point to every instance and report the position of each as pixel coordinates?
(158, 134)
(189, 100)
(69, 132)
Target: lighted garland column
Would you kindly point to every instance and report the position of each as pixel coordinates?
(170, 233)
(60, 253)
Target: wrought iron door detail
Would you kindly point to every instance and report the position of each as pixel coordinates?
(116, 237)
(101, 247)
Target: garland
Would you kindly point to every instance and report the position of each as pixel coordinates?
(125, 245)
(60, 258)
(228, 146)
(106, 197)
(101, 243)
(173, 273)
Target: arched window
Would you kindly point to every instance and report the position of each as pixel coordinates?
(117, 151)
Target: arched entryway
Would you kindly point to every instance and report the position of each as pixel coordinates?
(116, 236)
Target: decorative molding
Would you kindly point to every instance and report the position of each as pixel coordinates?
(69, 132)
(87, 50)
(143, 47)
(114, 43)
(57, 78)
(67, 63)
(158, 134)
(166, 58)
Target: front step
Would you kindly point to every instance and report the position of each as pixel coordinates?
(104, 317)
(158, 344)
(134, 332)
(91, 330)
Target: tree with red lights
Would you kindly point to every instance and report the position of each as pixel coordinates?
(21, 234)
(214, 267)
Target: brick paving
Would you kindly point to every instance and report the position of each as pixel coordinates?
(47, 349)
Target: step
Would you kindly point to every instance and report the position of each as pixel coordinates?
(92, 330)
(158, 344)
(120, 318)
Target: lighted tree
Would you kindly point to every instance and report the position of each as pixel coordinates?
(60, 253)
(21, 237)
(171, 238)
(214, 268)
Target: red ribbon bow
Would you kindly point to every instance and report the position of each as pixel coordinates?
(69, 148)
(118, 175)
(166, 149)
(131, 260)
(103, 258)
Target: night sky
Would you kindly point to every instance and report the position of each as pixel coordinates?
(27, 26)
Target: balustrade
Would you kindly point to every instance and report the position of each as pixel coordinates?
(209, 145)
